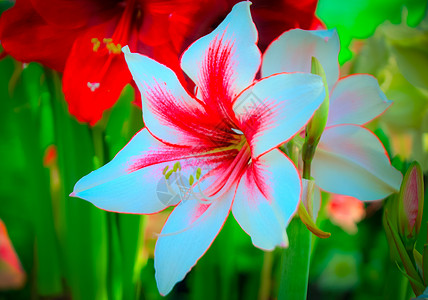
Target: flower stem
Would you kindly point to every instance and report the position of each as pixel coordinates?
(295, 262)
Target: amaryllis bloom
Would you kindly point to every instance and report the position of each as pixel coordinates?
(83, 38)
(218, 147)
(350, 159)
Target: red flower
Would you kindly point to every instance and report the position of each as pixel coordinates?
(84, 38)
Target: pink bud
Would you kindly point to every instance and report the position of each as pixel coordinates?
(412, 197)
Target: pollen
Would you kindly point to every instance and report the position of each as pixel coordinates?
(96, 43)
(112, 47)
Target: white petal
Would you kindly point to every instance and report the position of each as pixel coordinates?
(293, 51)
(133, 182)
(267, 197)
(356, 99)
(186, 236)
(276, 108)
(229, 50)
(350, 160)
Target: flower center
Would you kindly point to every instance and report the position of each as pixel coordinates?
(208, 185)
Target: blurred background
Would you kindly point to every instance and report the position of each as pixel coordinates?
(56, 247)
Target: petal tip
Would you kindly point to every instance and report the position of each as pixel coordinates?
(125, 49)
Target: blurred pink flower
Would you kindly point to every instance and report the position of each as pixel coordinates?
(12, 276)
(346, 212)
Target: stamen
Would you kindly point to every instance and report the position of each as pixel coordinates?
(177, 165)
(165, 169)
(111, 47)
(96, 43)
(169, 174)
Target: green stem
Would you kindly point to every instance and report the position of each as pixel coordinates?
(295, 262)
(266, 278)
(307, 169)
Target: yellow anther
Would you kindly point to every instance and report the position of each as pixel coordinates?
(107, 40)
(177, 165)
(169, 174)
(198, 173)
(164, 170)
(96, 43)
(112, 48)
(191, 180)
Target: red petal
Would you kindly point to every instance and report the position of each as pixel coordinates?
(189, 22)
(274, 17)
(93, 80)
(77, 13)
(271, 18)
(27, 37)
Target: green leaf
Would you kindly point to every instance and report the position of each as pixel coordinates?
(413, 64)
(425, 264)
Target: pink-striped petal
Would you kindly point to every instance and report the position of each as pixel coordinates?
(350, 160)
(224, 62)
(274, 109)
(356, 99)
(169, 112)
(133, 182)
(293, 51)
(186, 236)
(267, 197)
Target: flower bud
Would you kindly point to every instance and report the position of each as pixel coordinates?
(411, 202)
(316, 126)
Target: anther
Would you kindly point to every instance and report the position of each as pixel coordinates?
(96, 43)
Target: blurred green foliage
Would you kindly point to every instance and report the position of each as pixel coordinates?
(358, 19)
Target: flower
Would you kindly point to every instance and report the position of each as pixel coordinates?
(350, 159)
(411, 202)
(217, 147)
(84, 38)
(346, 211)
(12, 276)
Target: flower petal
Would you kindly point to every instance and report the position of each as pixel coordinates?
(274, 109)
(225, 61)
(21, 29)
(94, 79)
(350, 160)
(267, 197)
(186, 236)
(76, 13)
(356, 99)
(170, 113)
(276, 16)
(293, 51)
(133, 182)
